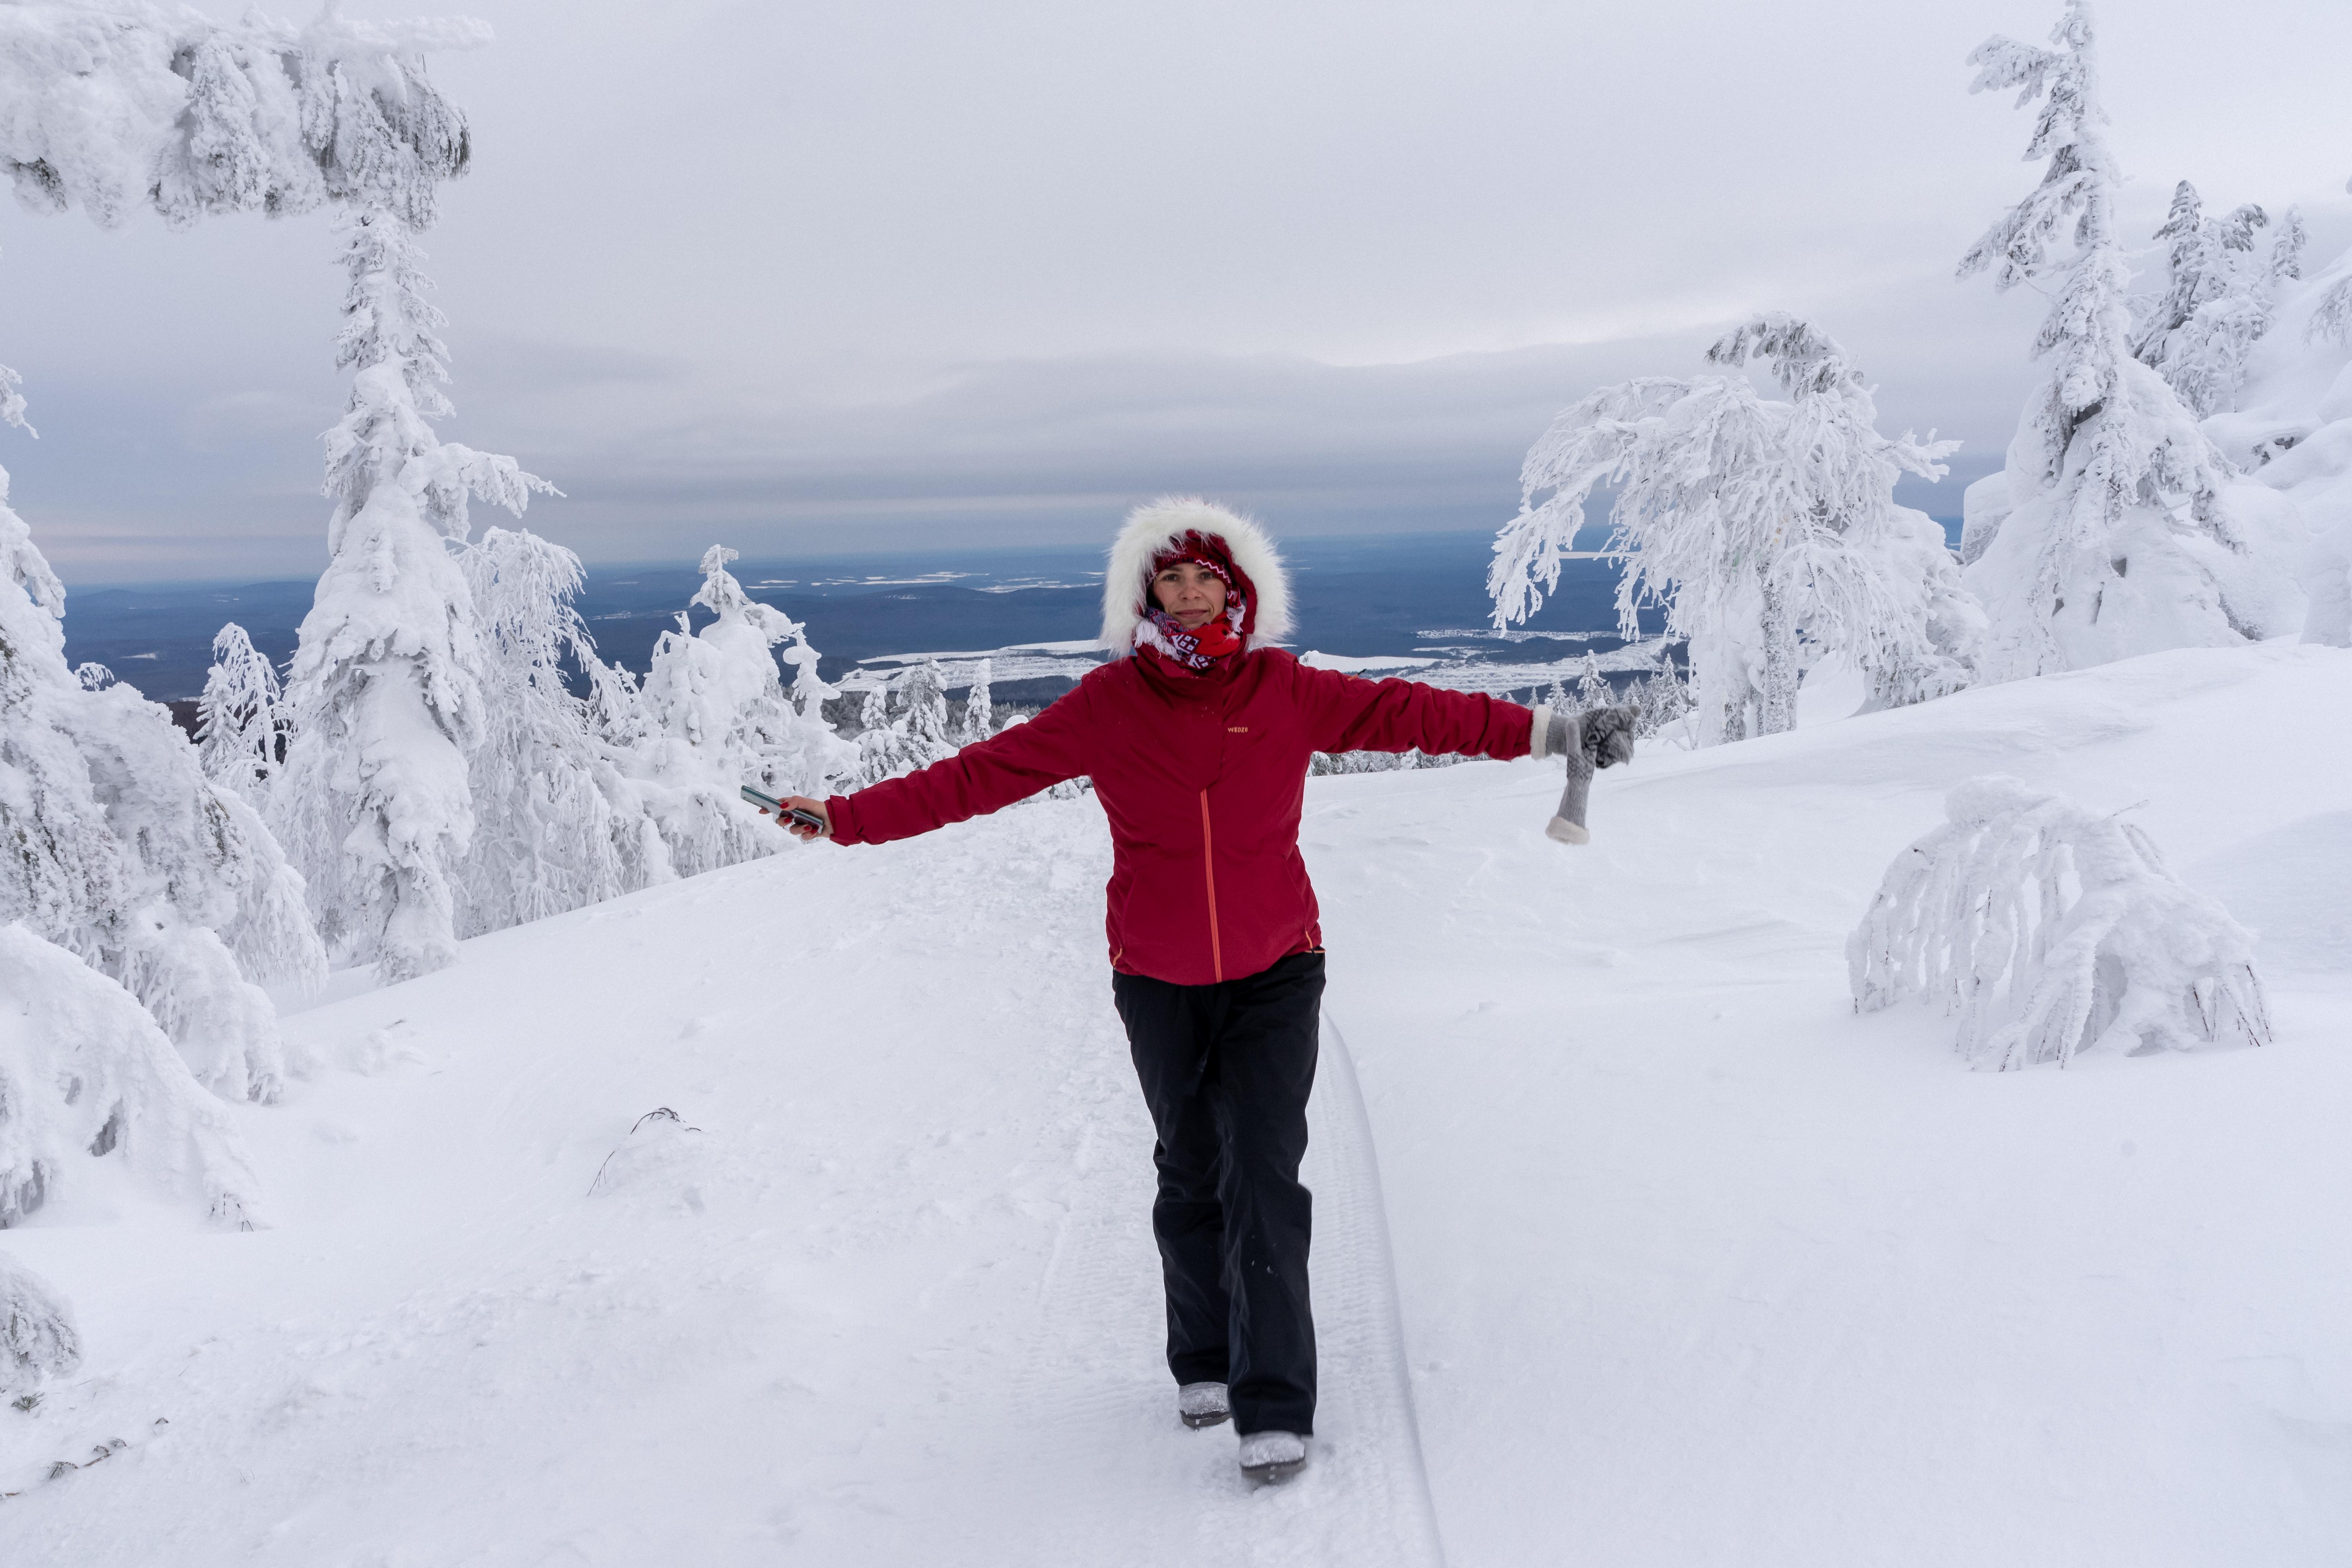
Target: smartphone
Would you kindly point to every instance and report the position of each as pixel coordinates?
(800, 814)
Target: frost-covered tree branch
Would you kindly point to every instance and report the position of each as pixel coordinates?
(2053, 932)
(114, 105)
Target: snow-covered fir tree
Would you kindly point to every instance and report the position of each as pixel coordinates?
(1591, 685)
(2291, 430)
(1660, 699)
(38, 1338)
(1761, 527)
(126, 854)
(385, 689)
(555, 825)
(717, 717)
(925, 716)
(919, 735)
(237, 717)
(2117, 530)
(2331, 316)
(2220, 299)
(979, 708)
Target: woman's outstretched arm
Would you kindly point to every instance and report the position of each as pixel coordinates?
(987, 776)
(1347, 713)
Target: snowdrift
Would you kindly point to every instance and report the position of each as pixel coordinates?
(1692, 1265)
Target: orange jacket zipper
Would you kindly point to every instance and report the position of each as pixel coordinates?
(1209, 867)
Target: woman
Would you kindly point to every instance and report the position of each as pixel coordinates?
(1197, 735)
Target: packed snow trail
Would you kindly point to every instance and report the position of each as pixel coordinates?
(883, 1291)
(1363, 1498)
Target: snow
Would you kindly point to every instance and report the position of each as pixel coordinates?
(1691, 1264)
(1377, 665)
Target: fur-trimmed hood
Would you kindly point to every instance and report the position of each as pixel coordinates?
(1157, 527)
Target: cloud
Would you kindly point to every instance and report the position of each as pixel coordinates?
(879, 273)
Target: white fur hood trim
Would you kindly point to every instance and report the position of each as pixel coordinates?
(1154, 528)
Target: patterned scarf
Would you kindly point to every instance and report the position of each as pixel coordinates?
(1195, 650)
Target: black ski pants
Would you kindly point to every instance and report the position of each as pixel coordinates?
(1226, 1069)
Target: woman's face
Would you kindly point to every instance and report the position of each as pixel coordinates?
(1190, 593)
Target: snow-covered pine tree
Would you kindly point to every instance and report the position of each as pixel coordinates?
(237, 717)
(385, 692)
(2053, 931)
(717, 717)
(2220, 298)
(879, 741)
(978, 709)
(556, 825)
(1756, 525)
(37, 1336)
(1557, 699)
(126, 854)
(929, 735)
(918, 736)
(2202, 258)
(1660, 697)
(2331, 318)
(2292, 429)
(2120, 531)
(1591, 685)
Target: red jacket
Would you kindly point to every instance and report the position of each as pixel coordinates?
(1202, 778)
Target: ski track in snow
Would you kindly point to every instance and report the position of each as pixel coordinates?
(1176, 1497)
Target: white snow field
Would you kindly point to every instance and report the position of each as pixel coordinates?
(1692, 1266)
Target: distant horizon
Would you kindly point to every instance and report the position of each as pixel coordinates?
(83, 584)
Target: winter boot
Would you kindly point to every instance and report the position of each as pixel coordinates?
(1273, 1455)
(1203, 1404)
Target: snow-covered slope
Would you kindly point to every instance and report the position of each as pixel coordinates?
(1694, 1266)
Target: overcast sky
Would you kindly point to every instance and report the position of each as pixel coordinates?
(876, 275)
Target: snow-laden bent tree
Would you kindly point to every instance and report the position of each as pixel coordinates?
(37, 1337)
(386, 694)
(85, 1074)
(556, 825)
(127, 104)
(1765, 529)
(2053, 931)
(715, 717)
(118, 849)
(2116, 529)
(237, 717)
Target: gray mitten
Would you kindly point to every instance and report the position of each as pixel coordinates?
(1601, 738)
